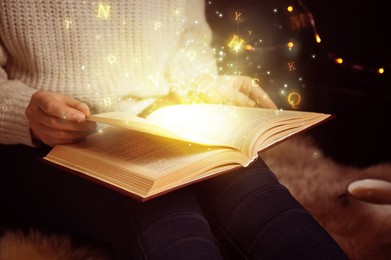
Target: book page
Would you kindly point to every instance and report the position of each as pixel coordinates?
(208, 124)
(233, 126)
(143, 164)
(135, 151)
(277, 133)
(124, 120)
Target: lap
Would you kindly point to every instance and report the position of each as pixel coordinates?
(41, 196)
(248, 210)
(254, 216)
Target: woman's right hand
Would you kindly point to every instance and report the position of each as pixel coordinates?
(58, 119)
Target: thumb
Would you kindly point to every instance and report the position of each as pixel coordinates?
(76, 109)
(243, 100)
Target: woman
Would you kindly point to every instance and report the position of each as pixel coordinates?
(61, 61)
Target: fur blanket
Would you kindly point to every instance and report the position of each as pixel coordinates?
(362, 229)
(35, 245)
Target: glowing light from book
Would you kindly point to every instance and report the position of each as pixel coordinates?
(191, 55)
(248, 47)
(380, 70)
(192, 122)
(155, 80)
(317, 38)
(339, 60)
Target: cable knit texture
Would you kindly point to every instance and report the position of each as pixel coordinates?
(97, 52)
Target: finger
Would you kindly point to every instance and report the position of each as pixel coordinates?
(53, 136)
(243, 100)
(80, 106)
(62, 124)
(261, 98)
(62, 107)
(251, 87)
(244, 84)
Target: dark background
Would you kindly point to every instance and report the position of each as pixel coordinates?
(354, 92)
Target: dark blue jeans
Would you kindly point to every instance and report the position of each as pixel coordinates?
(245, 214)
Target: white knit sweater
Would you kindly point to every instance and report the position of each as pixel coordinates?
(97, 52)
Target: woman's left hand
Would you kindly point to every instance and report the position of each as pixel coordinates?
(241, 91)
(229, 90)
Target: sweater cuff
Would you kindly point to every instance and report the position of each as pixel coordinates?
(14, 125)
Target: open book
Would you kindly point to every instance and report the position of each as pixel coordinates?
(177, 145)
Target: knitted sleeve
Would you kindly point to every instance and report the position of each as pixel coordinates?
(14, 98)
(193, 65)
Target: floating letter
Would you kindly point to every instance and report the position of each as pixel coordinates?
(104, 11)
(298, 22)
(107, 101)
(255, 82)
(237, 15)
(236, 43)
(294, 99)
(291, 66)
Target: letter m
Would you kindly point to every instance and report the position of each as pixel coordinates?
(298, 21)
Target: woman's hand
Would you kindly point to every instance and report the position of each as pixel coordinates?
(230, 90)
(242, 91)
(58, 119)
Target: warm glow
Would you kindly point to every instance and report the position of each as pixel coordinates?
(290, 44)
(237, 47)
(196, 122)
(380, 70)
(103, 11)
(248, 47)
(290, 8)
(236, 43)
(339, 60)
(294, 99)
(317, 38)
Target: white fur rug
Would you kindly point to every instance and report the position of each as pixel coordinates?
(15, 245)
(362, 229)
